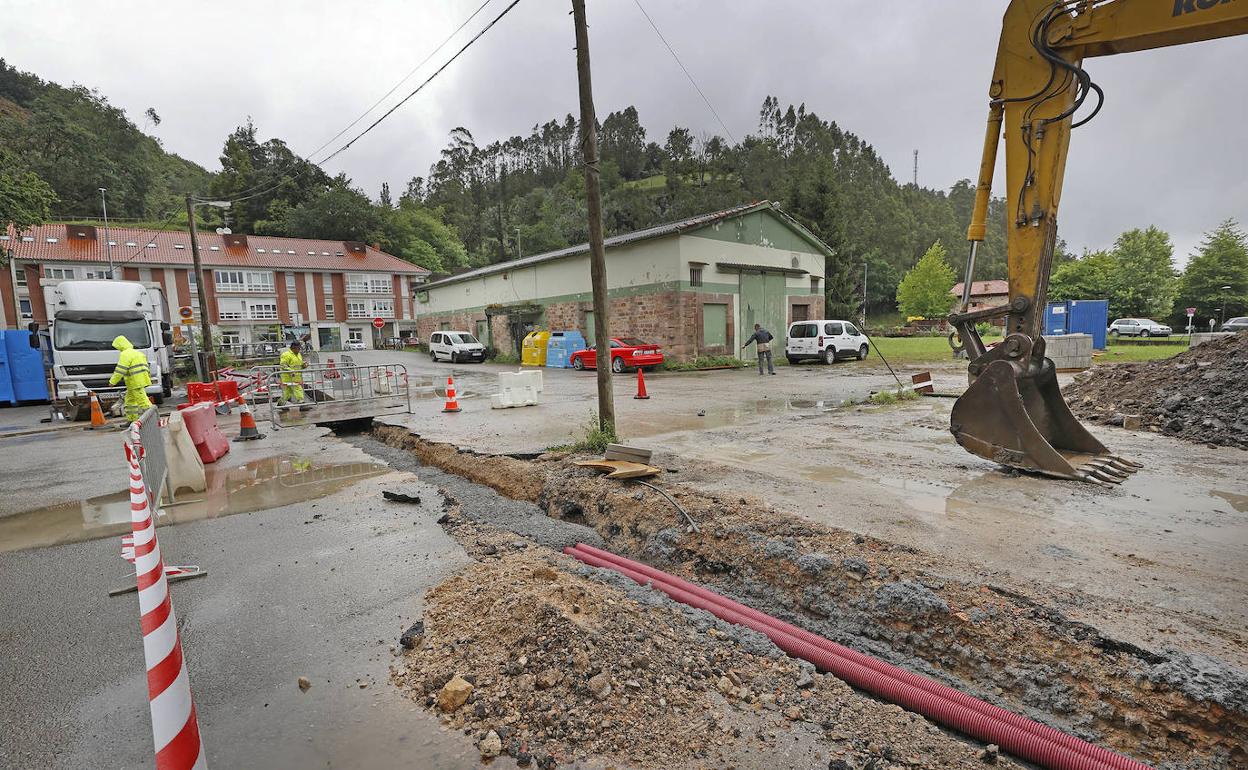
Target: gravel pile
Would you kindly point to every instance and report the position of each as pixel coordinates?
(538, 657)
(1200, 395)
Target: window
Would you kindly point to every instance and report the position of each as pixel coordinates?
(260, 282)
(62, 273)
(714, 324)
(355, 335)
(230, 315)
(28, 239)
(131, 243)
(851, 329)
(290, 282)
(229, 280)
(365, 283)
(801, 331)
(27, 313)
(695, 276)
(179, 246)
(193, 277)
(801, 312)
(21, 278)
(50, 240)
(260, 251)
(383, 308)
(231, 338)
(329, 308)
(264, 311)
(97, 275)
(814, 284)
(357, 310)
(327, 283)
(833, 329)
(215, 248)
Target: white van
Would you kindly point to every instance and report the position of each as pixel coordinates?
(455, 347)
(824, 340)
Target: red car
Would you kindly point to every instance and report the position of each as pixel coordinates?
(626, 353)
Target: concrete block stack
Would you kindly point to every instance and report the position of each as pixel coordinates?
(1069, 352)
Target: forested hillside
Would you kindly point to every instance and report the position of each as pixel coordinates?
(483, 203)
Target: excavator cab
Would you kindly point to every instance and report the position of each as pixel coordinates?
(1013, 413)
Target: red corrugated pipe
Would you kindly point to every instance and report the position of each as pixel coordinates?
(1012, 732)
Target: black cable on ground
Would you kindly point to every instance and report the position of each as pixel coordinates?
(692, 524)
(882, 358)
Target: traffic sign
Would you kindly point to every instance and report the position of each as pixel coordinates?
(378, 323)
(186, 314)
(1191, 311)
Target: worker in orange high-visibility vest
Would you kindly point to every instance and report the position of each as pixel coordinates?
(132, 368)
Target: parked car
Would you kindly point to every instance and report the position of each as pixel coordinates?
(626, 353)
(1237, 324)
(1138, 327)
(456, 347)
(355, 345)
(825, 341)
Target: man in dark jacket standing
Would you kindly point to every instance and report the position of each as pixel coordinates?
(762, 339)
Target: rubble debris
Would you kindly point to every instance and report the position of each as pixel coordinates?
(304, 683)
(454, 694)
(582, 666)
(411, 637)
(400, 497)
(1198, 395)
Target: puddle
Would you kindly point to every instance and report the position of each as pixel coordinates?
(254, 486)
(1238, 502)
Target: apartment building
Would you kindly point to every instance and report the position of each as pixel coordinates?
(258, 288)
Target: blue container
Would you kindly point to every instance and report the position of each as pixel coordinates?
(1089, 316)
(1057, 318)
(561, 346)
(6, 381)
(25, 365)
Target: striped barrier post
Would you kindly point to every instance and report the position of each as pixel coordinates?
(922, 382)
(175, 729)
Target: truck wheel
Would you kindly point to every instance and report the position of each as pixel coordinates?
(829, 355)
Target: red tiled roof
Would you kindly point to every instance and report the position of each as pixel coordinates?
(276, 251)
(982, 288)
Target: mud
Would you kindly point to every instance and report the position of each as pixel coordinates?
(1162, 706)
(231, 489)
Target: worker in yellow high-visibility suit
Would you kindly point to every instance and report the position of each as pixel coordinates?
(132, 368)
(292, 376)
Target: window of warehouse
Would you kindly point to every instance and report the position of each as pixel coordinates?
(814, 284)
(357, 310)
(695, 276)
(714, 324)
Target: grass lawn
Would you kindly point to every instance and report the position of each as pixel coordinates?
(1115, 353)
(915, 349)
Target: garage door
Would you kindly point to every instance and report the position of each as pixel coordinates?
(763, 302)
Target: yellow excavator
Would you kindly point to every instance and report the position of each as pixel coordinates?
(1013, 412)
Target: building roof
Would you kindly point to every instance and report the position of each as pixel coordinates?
(86, 243)
(658, 231)
(983, 288)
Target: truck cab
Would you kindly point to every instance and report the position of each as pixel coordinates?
(86, 316)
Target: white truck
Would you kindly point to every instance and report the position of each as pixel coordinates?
(85, 316)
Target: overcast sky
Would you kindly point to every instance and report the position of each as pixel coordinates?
(1167, 149)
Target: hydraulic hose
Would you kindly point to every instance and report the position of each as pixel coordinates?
(1012, 732)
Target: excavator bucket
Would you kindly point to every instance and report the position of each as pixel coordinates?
(1013, 413)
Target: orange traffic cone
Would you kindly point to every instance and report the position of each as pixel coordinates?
(451, 404)
(247, 425)
(97, 414)
(641, 385)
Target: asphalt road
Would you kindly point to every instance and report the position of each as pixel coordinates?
(318, 588)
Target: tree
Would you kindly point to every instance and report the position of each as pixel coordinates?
(1222, 260)
(24, 197)
(1142, 282)
(1087, 277)
(341, 213)
(924, 291)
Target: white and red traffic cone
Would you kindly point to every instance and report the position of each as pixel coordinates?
(175, 729)
(247, 430)
(452, 404)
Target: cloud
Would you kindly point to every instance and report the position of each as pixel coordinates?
(1163, 151)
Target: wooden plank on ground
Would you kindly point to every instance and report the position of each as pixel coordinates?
(630, 453)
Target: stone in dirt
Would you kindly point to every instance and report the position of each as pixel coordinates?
(491, 745)
(400, 497)
(454, 694)
(304, 683)
(412, 636)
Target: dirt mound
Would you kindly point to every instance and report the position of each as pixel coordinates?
(562, 663)
(1200, 395)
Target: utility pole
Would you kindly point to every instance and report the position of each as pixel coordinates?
(108, 244)
(916, 168)
(519, 251)
(209, 358)
(593, 202)
(863, 320)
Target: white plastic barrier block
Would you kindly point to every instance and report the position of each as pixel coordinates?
(515, 389)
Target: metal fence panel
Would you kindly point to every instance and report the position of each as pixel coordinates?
(340, 393)
(147, 440)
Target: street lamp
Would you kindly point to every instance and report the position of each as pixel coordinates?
(208, 359)
(1225, 289)
(519, 252)
(108, 244)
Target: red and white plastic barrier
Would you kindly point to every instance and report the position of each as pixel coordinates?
(922, 382)
(175, 729)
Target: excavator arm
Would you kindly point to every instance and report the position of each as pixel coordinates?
(1013, 412)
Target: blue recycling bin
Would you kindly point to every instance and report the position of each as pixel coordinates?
(561, 346)
(25, 365)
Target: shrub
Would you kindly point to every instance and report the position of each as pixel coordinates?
(893, 396)
(595, 440)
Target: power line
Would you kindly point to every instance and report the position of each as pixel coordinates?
(438, 71)
(686, 71)
(261, 189)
